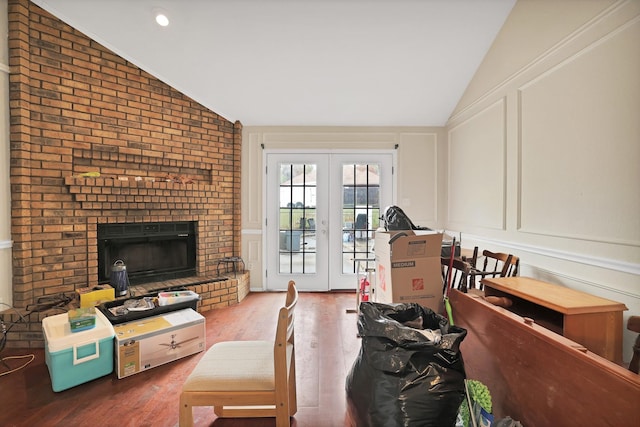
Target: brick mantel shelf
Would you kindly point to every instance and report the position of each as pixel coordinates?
(112, 193)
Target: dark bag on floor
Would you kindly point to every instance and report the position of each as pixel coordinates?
(409, 371)
(394, 218)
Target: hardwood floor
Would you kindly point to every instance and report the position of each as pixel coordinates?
(326, 347)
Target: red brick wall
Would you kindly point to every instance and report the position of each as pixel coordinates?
(77, 107)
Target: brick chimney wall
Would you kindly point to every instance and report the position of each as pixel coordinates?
(77, 107)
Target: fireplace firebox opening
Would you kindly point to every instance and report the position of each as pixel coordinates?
(151, 251)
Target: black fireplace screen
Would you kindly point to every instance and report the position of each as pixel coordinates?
(151, 251)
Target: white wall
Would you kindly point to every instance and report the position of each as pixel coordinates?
(6, 284)
(544, 148)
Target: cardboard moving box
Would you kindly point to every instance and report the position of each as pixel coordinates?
(149, 342)
(408, 268)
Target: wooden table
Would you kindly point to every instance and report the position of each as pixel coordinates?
(591, 321)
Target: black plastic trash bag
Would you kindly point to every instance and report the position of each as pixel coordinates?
(394, 218)
(409, 371)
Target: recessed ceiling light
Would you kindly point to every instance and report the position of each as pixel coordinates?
(161, 18)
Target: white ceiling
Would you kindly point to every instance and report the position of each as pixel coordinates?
(303, 62)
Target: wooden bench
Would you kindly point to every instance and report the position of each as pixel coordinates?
(538, 377)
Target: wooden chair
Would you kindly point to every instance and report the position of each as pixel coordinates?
(460, 271)
(633, 324)
(495, 264)
(243, 379)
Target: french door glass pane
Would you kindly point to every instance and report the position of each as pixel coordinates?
(360, 213)
(297, 230)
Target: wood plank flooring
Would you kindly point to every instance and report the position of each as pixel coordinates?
(326, 347)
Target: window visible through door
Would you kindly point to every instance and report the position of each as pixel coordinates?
(360, 212)
(297, 219)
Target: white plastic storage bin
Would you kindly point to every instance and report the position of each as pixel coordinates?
(74, 358)
(167, 298)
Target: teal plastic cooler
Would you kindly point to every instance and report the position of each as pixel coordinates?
(75, 358)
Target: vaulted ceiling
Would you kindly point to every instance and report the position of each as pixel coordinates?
(302, 62)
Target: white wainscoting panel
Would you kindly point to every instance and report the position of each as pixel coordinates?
(252, 175)
(477, 169)
(418, 157)
(575, 174)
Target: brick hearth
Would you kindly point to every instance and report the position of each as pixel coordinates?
(76, 107)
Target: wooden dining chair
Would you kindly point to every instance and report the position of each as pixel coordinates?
(459, 271)
(246, 379)
(633, 324)
(495, 264)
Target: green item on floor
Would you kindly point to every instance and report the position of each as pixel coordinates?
(478, 393)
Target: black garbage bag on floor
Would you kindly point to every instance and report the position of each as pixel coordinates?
(409, 371)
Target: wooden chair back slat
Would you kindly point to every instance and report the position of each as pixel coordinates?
(495, 264)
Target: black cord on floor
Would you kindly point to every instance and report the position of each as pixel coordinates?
(3, 341)
(43, 304)
(49, 302)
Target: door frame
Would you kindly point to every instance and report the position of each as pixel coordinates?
(302, 152)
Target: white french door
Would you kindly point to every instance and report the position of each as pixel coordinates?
(322, 210)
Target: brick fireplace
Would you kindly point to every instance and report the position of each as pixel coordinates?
(153, 154)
